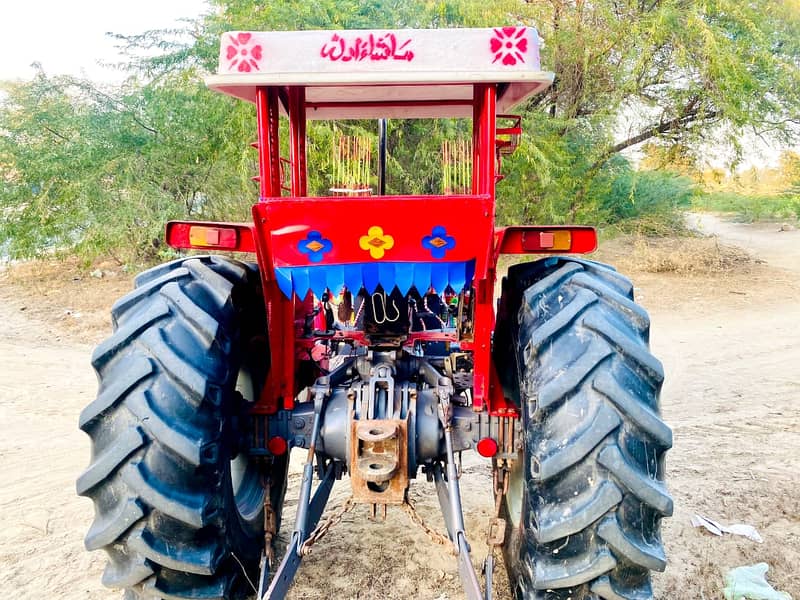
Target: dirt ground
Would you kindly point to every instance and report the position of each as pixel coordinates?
(727, 332)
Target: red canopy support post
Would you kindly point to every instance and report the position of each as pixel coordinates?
(269, 159)
(483, 183)
(487, 107)
(297, 133)
(278, 389)
(477, 103)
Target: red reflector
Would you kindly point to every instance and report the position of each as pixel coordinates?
(220, 237)
(486, 447)
(559, 240)
(277, 446)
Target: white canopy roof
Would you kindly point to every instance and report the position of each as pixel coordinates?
(384, 73)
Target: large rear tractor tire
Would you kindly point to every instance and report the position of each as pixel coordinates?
(178, 504)
(585, 503)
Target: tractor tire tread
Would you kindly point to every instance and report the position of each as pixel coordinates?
(126, 572)
(124, 377)
(554, 456)
(156, 588)
(157, 459)
(128, 442)
(202, 560)
(588, 388)
(186, 442)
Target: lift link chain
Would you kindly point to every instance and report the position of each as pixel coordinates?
(437, 538)
(497, 526)
(270, 522)
(322, 529)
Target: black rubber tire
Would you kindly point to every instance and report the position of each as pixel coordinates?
(166, 425)
(585, 504)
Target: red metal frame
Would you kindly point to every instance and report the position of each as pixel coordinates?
(483, 182)
(297, 131)
(278, 390)
(343, 220)
(282, 224)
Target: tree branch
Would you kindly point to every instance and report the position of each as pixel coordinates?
(665, 127)
(55, 133)
(690, 114)
(118, 105)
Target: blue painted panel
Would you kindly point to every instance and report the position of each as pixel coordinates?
(404, 277)
(300, 281)
(284, 279)
(317, 280)
(353, 277)
(386, 276)
(439, 277)
(334, 277)
(457, 275)
(369, 275)
(422, 277)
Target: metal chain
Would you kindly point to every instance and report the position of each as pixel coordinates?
(496, 533)
(270, 520)
(500, 480)
(411, 510)
(334, 519)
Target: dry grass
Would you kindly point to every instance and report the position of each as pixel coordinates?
(679, 255)
(65, 295)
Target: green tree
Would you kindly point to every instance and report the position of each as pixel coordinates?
(100, 168)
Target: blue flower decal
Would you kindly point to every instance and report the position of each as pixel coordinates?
(438, 242)
(315, 246)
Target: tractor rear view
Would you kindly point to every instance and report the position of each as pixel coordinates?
(368, 337)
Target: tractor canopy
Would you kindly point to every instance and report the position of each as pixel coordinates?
(411, 73)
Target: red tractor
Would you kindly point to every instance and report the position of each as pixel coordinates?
(368, 333)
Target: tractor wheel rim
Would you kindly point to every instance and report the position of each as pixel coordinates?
(248, 491)
(516, 489)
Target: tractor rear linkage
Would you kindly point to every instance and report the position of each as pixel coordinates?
(389, 434)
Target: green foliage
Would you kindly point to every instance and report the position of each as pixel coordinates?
(101, 171)
(750, 208)
(628, 194)
(98, 171)
(644, 202)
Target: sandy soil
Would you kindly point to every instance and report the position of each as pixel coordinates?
(729, 340)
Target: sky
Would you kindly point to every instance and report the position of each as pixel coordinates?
(68, 36)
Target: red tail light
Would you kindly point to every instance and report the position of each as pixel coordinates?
(205, 236)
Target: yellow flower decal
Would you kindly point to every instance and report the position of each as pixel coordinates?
(376, 242)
